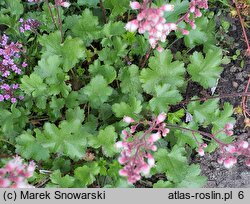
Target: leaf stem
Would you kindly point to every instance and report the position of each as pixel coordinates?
(232, 95)
(212, 136)
(103, 12)
(144, 60)
(59, 20)
(6, 141)
(243, 28)
(51, 14)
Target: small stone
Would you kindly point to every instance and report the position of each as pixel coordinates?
(235, 84)
(233, 69)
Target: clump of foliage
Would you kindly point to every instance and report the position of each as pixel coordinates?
(89, 75)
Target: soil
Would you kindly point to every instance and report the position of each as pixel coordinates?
(233, 79)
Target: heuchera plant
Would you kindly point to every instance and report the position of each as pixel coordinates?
(74, 75)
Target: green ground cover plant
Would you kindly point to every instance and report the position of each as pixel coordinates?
(93, 93)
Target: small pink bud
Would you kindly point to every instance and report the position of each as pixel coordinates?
(172, 26)
(234, 160)
(192, 9)
(231, 149)
(201, 151)
(125, 133)
(154, 137)
(133, 129)
(141, 16)
(167, 7)
(4, 183)
(161, 117)
(185, 32)
(229, 132)
(229, 126)
(165, 132)
(123, 172)
(244, 144)
(10, 166)
(65, 4)
(248, 162)
(197, 13)
(151, 161)
(135, 5)
(31, 167)
(132, 26)
(145, 169)
(204, 145)
(128, 119)
(159, 48)
(154, 148)
(228, 163)
(220, 160)
(122, 160)
(119, 144)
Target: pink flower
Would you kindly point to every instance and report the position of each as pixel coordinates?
(165, 132)
(65, 4)
(201, 151)
(167, 7)
(132, 26)
(154, 137)
(145, 169)
(248, 162)
(161, 117)
(15, 173)
(228, 163)
(119, 144)
(220, 160)
(123, 172)
(135, 5)
(231, 149)
(160, 49)
(128, 119)
(151, 161)
(243, 144)
(185, 32)
(229, 126)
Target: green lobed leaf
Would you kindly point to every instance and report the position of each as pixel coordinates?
(106, 140)
(162, 71)
(70, 52)
(69, 138)
(164, 96)
(86, 174)
(132, 108)
(178, 172)
(62, 181)
(29, 148)
(206, 71)
(97, 91)
(107, 71)
(85, 26)
(130, 81)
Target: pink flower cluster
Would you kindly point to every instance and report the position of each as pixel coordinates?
(15, 174)
(229, 153)
(9, 66)
(136, 149)
(30, 24)
(194, 9)
(152, 21)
